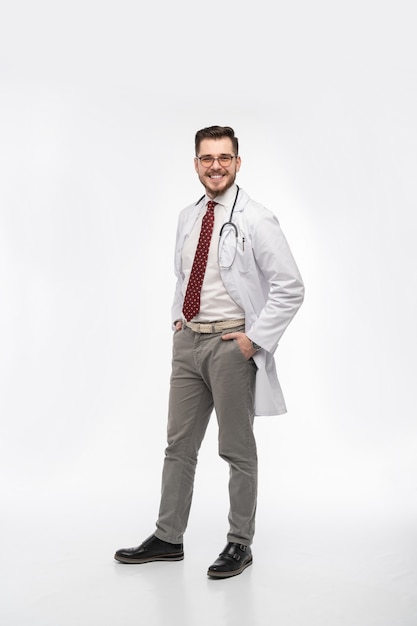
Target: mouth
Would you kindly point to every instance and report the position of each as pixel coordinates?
(215, 176)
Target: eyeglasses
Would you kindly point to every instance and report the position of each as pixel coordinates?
(224, 160)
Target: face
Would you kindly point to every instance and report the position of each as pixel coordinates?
(216, 178)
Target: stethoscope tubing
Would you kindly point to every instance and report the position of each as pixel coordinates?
(230, 222)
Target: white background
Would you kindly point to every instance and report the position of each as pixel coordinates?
(99, 104)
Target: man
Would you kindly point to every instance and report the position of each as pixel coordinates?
(238, 288)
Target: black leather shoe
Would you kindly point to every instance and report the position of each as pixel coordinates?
(231, 562)
(152, 549)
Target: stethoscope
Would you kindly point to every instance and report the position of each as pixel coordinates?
(229, 223)
(226, 254)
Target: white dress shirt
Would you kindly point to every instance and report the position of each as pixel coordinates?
(216, 304)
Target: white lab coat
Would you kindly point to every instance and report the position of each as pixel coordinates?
(264, 281)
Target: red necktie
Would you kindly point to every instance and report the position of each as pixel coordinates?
(191, 304)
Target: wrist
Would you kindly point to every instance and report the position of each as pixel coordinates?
(255, 346)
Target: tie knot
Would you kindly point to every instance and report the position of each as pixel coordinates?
(210, 205)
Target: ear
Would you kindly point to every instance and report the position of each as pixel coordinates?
(196, 164)
(238, 163)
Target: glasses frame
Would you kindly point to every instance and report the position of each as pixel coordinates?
(223, 156)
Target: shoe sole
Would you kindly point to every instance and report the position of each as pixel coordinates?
(150, 559)
(229, 574)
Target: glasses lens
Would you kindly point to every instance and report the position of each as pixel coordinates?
(206, 161)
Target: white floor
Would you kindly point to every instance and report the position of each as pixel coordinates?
(309, 569)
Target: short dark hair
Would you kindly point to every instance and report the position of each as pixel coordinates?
(216, 132)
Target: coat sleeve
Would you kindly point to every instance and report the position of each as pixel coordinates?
(280, 280)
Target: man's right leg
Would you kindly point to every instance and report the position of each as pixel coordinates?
(190, 407)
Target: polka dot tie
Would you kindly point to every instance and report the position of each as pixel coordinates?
(191, 304)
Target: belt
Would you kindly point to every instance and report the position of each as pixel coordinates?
(214, 327)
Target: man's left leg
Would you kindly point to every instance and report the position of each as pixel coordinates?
(232, 380)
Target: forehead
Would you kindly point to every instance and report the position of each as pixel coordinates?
(215, 147)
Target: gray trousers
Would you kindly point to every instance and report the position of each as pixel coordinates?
(209, 372)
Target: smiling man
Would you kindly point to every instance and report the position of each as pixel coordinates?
(238, 288)
(217, 164)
